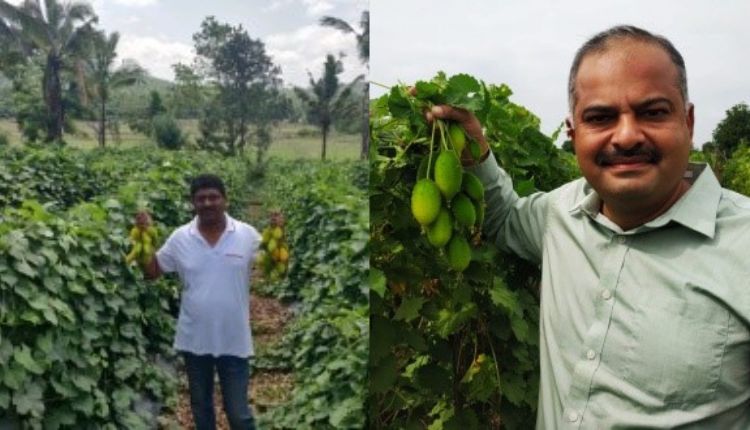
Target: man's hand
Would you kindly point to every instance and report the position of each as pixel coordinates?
(144, 223)
(143, 219)
(467, 120)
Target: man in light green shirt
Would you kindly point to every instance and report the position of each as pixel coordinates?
(645, 297)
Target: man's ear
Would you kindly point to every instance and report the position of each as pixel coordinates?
(569, 129)
(690, 118)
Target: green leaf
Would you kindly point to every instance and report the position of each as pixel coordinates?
(525, 187)
(23, 267)
(29, 400)
(435, 378)
(65, 389)
(512, 387)
(345, 409)
(398, 104)
(520, 328)
(23, 357)
(465, 419)
(14, 376)
(464, 91)
(83, 382)
(426, 90)
(502, 296)
(9, 279)
(384, 375)
(409, 308)
(377, 282)
(4, 399)
(382, 338)
(449, 321)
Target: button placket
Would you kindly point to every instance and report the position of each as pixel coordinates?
(572, 416)
(585, 369)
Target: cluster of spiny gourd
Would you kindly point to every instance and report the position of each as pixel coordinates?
(273, 257)
(450, 205)
(143, 241)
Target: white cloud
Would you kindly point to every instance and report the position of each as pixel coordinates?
(136, 3)
(306, 48)
(155, 55)
(317, 7)
(277, 4)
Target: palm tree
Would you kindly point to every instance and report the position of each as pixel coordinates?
(327, 98)
(363, 50)
(100, 77)
(363, 36)
(60, 32)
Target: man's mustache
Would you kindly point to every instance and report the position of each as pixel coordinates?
(636, 154)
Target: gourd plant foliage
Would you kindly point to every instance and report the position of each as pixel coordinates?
(451, 350)
(50, 176)
(327, 343)
(737, 171)
(80, 330)
(83, 339)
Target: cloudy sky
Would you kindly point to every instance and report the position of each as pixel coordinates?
(529, 44)
(158, 33)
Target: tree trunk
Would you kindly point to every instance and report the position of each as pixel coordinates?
(103, 123)
(325, 138)
(365, 123)
(53, 98)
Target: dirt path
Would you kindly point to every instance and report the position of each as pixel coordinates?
(268, 387)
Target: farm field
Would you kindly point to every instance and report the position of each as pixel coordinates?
(290, 141)
(85, 342)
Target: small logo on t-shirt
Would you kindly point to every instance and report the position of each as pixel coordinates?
(234, 255)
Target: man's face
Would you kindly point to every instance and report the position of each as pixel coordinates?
(632, 131)
(209, 204)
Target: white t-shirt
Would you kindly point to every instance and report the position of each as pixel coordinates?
(215, 309)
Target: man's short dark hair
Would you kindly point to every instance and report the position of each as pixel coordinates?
(207, 180)
(599, 43)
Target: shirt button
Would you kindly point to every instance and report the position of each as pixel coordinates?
(573, 416)
(606, 295)
(621, 239)
(590, 354)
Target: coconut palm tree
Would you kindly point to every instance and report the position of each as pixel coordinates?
(101, 77)
(326, 98)
(363, 35)
(60, 32)
(363, 50)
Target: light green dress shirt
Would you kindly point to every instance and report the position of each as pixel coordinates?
(645, 328)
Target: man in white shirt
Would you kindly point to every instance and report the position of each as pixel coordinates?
(212, 256)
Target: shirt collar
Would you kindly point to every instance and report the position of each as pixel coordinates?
(696, 209)
(230, 227)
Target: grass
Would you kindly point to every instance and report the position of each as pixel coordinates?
(289, 141)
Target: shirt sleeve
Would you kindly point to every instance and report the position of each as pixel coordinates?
(166, 256)
(255, 239)
(513, 223)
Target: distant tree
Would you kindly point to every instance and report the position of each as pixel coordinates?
(143, 122)
(326, 97)
(28, 101)
(363, 35)
(246, 82)
(732, 130)
(166, 132)
(155, 105)
(101, 78)
(568, 147)
(188, 94)
(363, 50)
(58, 31)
